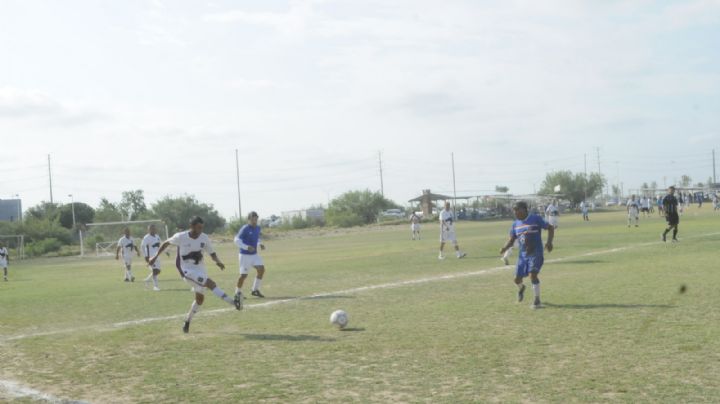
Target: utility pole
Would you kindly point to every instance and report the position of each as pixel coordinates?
(607, 188)
(50, 178)
(586, 177)
(382, 183)
(237, 175)
(452, 157)
(714, 177)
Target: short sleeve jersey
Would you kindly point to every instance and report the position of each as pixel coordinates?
(126, 244)
(633, 204)
(191, 251)
(150, 245)
(528, 233)
(670, 204)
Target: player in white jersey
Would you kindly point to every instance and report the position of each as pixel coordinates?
(126, 245)
(633, 209)
(150, 246)
(447, 232)
(192, 245)
(4, 260)
(552, 214)
(415, 226)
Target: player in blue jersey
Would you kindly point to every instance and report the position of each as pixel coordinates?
(248, 240)
(527, 231)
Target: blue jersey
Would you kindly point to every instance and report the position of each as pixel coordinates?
(248, 236)
(528, 233)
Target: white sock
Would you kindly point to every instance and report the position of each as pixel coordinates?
(155, 280)
(256, 284)
(507, 253)
(536, 289)
(219, 293)
(237, 290)
(127, 274)
(130, 273)
(194, 308)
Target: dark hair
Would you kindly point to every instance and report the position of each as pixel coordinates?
(252, 214)
(196, 220)
(520, 205)
(671, 187)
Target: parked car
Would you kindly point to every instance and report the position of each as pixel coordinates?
(392, 214)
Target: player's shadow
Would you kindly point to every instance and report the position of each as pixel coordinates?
(579, 262)
(607, 306)
(353, 329)
(286, 337)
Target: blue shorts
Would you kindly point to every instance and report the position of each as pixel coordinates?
(526, 265)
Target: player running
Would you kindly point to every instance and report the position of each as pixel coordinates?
(447, 232)
(150, 246)
(4, 260)
(126, 244)
(248, 239)
(552, 214)
(190, 263)
(527, 231)
(415, 226)
(633, 210)
(670, 207)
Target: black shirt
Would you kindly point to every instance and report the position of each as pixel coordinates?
(670, 204)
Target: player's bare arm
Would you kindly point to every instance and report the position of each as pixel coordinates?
(163, 247)
(117, 253)
(551, 236)
(510, 243)
(217, 261)
(137, 250)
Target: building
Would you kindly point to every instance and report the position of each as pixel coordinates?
(428, 200)
(304, 214)
(10, 210)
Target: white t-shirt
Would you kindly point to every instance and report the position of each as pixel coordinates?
(126, 245)
(150, 245)
(3, 255)
(191, 249)
(633, 204)
(447, 220)
(552, 210)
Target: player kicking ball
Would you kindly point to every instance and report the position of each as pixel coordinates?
(633, 210)
(670, 207)
(126, 245)
(248, 240)
(191, 246)
(447, 232)
(527, 231)
(4, 260)
(150, 246)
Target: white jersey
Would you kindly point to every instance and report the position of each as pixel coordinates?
(126, 244)
(3, 256)
(552, 210)
(150, 245)
(447, 221)
(633, 205)
(190, 250)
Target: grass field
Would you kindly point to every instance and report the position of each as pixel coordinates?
(614, 328)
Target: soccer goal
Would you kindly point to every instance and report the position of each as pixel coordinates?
(103, 236)
(16, 242)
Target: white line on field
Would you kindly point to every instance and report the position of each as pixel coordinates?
(13, 389)
(390, 285)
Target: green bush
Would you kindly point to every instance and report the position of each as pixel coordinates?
(43, 247)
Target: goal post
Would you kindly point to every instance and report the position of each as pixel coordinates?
(102, 236)
(17, 242)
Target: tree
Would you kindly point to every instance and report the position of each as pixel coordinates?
(501, 189)
(573, 186)
(107, 212)
(685, 180)
(44, 210)
(176, 211)
(356, 208)
(84, 213)
(132, 204)
(616, 191)
(654, 185)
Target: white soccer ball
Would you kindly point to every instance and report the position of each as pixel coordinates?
(339, 318)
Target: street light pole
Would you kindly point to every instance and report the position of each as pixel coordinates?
(72, 207)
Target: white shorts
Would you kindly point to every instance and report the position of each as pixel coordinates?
(196, 278)
(448, 237)
(249, 261)
(633, 213)
(127, 260)
(3, 263)
(553, 221)
(156, 265)
(415, 227)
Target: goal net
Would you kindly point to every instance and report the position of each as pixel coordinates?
(16, 243)
(102, 237)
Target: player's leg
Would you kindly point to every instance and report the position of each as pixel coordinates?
(535, 280)
(128, 271)
(194, 308)
(675, 232)
(520, 274)
(442, 247)
(506, 257)
(258, 281)
(5, 272)
(458, 253)
(155, 273)
(210, 284)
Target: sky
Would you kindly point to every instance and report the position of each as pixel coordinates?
(158, 95)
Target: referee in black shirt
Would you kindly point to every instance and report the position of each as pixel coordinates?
(670, 206)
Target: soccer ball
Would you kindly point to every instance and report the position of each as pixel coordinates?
(339, 319)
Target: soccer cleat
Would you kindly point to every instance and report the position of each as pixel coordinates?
(663, 238)
(238, 301)
(5, 278)
(462, 255)
(156, 289)
(441, 257)
(536, 304)
(127, 280)
(505, 260)
(521, 293)
(132, 279)
(186, 327)
(257, 293)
